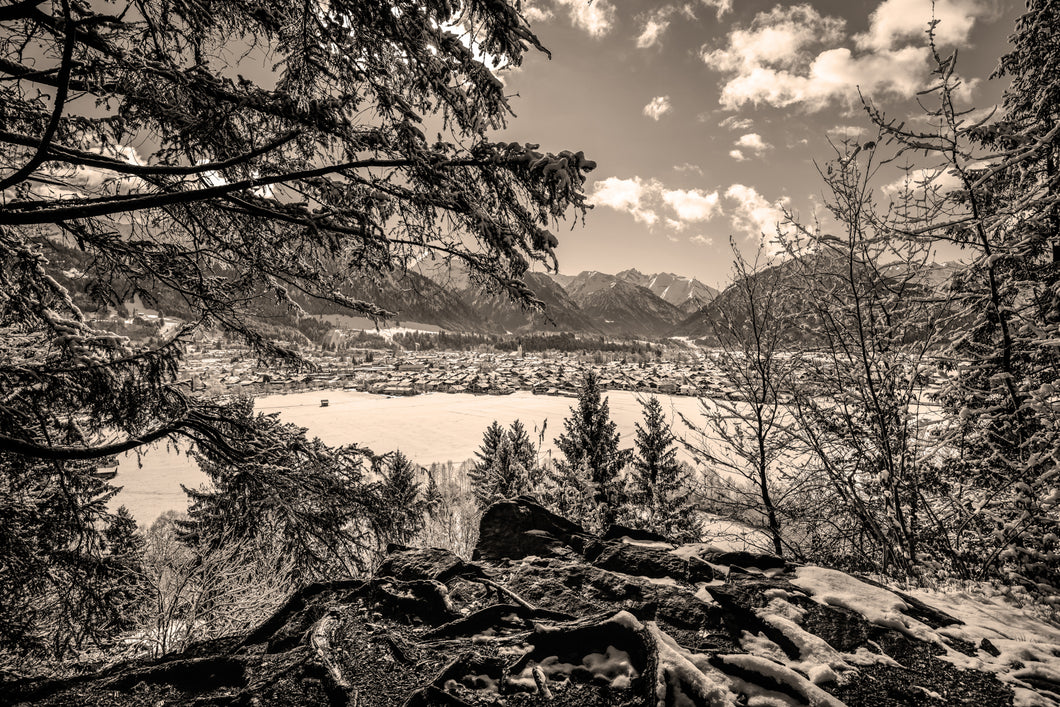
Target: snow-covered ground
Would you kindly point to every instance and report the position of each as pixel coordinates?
(437, 427)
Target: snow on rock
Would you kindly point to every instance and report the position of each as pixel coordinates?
(814, 695)
(879, 606)
(1021, 648)
(687, 677)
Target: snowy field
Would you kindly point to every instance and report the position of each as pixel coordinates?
(437, 427)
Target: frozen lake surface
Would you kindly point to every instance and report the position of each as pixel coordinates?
(436, 427)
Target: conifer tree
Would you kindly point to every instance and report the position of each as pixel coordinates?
(312, 501)
(57, 575)
(505, 464)
(660, 495)
(405, 500)
(592, 459)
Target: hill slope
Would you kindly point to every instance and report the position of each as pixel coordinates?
(548, 614)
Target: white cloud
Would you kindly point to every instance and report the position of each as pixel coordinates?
(688, 167)
(655, 24)
(720, 7)
(692, 204)
(701, 240)
(781, 37)
(536, 13)
(919, 183)
(627, 195)
(658, 106)
(596, 17)
(846, 132)
(650, 202)
(754, 143)
(734, 123)
(898, 21)
(737, 155)
(796, 56)
(752, 213)
(654, 27)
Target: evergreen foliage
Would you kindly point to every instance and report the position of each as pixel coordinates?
(251, 192)
(506, 464)
(585, 482)
(661, 488)
(407, 500)
(68, 568)
(312, 502)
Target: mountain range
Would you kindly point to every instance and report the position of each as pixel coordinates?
(627, 304)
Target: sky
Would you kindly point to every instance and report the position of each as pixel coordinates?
(705, 117)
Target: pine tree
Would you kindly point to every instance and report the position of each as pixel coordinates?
(311, 501)
(591, 454)
(57, 579)
(404, 500)
(506, 464)
(660, 498)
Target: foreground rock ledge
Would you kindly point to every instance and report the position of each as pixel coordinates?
(550, 615)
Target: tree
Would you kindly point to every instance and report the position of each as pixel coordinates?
(746, 433)
(506, 466)
(660, 498)
(405, 501)
(1002, 506)
(874, 321)
(312, 503)
(197, 591)
(64, 561)
(592, 459)
(251, 191)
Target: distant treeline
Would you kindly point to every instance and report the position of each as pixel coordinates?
(565, 342)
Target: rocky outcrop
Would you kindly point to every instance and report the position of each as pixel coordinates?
(547, 614)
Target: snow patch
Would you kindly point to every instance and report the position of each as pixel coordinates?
(879, 606)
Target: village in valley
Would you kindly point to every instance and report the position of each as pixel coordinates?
(228, 370)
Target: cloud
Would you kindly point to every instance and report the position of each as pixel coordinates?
(688, 167)
(796, 56)
(658, 106)
(650, 202)
(692, 204)
(752, 213)
(734, 123)
(701, 240)
(629, 195)
(846, 132)
(895, 21)
(654, 28)
(596, 17)
(720, 7)
(737, 155)
(754, 143)
(919, 183)
(536, 13)
(655, 24)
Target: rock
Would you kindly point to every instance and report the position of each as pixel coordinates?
(589, 621)
(743, 559)
(423, 563)
(648, 562)
(617, 532)
(521, 527)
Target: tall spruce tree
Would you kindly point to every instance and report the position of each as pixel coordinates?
(505, 464)
(592, 459)
(661, 494)
(406, 500)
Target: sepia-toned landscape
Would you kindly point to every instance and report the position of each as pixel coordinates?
(534, 353)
